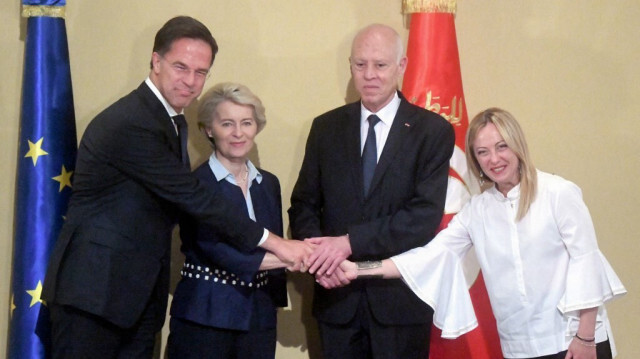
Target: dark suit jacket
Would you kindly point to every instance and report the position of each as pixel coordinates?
(214, 289)
(402, 211)
(112, 254)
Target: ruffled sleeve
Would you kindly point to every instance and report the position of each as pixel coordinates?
(435, 274)
(590, 283)
(590, 280)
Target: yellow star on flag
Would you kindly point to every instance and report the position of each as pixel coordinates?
(35, 294)
(35, 151)
(13, 305)
(64, 178)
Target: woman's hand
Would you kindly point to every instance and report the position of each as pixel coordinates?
(342, 276)
(581, 350)
(583, 345)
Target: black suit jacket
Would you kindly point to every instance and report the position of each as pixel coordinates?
(402, 211)
(112, 254)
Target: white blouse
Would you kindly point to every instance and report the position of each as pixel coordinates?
(539, 272)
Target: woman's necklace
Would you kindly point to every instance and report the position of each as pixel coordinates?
(243, 180)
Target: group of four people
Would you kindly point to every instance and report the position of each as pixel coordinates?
(372, 186)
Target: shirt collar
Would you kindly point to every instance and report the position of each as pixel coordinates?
(386, 114)
(221, 172)
(513, 193)
(156, 92)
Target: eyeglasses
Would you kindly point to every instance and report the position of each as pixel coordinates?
(183, 70)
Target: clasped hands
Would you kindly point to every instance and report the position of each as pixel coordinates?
(324, 257)
(328, 262)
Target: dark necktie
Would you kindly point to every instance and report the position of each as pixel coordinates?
(181, 123)
(369, 154)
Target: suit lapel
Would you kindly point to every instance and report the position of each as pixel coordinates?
(260, 204)
(160, 115)
(400, 129)
(354, 156)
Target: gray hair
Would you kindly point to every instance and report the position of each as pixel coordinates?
(229, 91)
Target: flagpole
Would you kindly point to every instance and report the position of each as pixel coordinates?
(433, 6)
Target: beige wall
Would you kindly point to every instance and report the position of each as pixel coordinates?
(569, 73)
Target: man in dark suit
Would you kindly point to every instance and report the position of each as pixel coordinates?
(108, 276)
(368, 211)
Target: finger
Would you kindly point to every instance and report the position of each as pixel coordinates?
(316, 264)
(342, 277)
(313, 257)
(333, 265)
(316, 259)
(323, 282)
(330, 265)
(333, 283)
(324, 267)
(329, 284)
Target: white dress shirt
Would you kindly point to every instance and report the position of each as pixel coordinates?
(386, 116)
(539, 272)
(166, 105)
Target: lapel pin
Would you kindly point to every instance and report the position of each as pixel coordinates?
(407, 124)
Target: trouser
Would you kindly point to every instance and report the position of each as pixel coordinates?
(189, 340)
(77, 334)
(366, 338)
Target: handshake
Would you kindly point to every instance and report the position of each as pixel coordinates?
(323, 257)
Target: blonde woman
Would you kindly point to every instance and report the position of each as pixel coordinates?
(536, 245)
(225, 305)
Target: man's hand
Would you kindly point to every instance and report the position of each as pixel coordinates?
(342, 276)
(292, 252)
(328, 254)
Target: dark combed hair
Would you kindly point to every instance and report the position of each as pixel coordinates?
(183, 27)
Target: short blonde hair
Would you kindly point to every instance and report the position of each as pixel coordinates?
(512, 134)
(229, 91)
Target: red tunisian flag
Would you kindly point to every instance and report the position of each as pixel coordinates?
(432, 80)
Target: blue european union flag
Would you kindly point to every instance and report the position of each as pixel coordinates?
(46, 160)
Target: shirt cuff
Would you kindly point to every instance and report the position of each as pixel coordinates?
(264, 237)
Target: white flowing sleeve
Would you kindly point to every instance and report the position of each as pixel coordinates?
(591, 281)
(435, 274)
